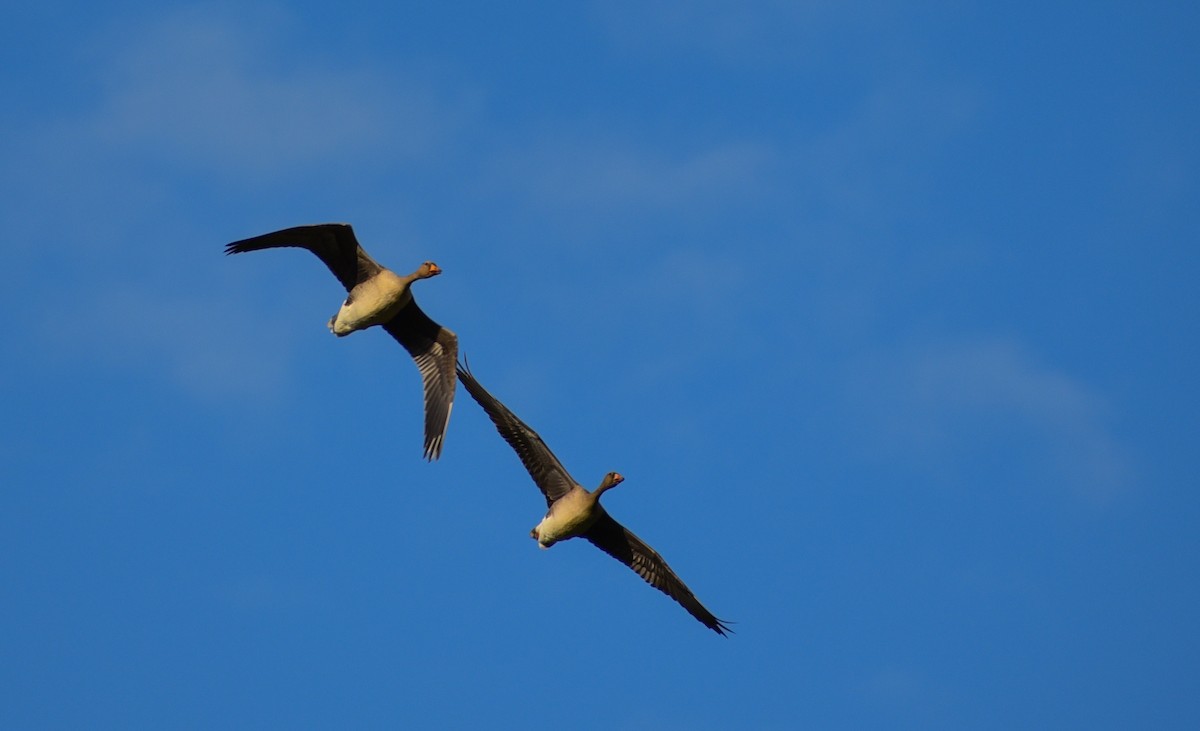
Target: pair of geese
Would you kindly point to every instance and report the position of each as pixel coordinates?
(378, 296)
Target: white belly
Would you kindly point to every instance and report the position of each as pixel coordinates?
(569, 517)
(373, 302)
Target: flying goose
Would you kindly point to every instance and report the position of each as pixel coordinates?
(576, 512)
(379, 296)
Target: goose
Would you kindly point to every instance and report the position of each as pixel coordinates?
(576, 512)
(379, 296)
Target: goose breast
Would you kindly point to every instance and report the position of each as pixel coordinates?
(371, 302)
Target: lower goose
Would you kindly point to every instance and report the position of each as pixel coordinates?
(576, 512)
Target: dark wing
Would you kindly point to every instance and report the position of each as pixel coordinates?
(551, 477)
(333, 243)
(435, 349)
(612, 538)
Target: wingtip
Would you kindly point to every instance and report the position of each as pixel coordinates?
(433, 449)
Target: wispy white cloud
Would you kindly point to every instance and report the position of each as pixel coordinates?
(698, 279)
(189, 96)
(201, 89)
(771, 31)
(259, 593)
(953, 407)
(901, 687)
(603, 174)
(208, 346)
(859, 170)
(874, 161)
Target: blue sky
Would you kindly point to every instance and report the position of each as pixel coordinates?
(886, 311)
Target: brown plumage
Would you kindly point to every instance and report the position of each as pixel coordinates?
(378, 296)
(576, 512)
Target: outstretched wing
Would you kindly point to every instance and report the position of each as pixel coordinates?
(551, 477)
(435, 349)
(333, 243)
(614, 539)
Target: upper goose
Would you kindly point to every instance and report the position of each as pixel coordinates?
(576, 512)
(379, 296)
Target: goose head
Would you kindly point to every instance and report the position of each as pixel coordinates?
(427, 270)
(612, 479)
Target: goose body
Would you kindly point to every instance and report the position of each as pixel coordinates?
(372, 302)
(575, 512)
(378, 296)
(572, 514)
